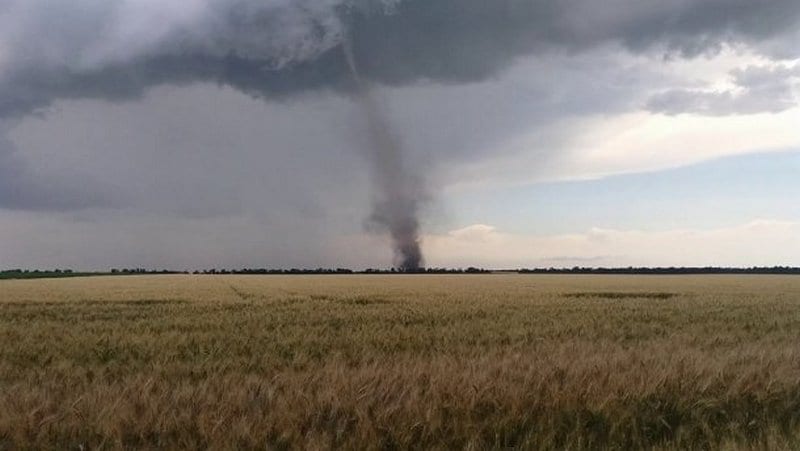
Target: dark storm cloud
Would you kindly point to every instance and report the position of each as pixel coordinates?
(756, 89)
(20, 188)
(32, 90)
(277, 49)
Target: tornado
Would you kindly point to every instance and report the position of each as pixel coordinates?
(398, 190)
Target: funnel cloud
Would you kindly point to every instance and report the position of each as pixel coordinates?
(398, 191)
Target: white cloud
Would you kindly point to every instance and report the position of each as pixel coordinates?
(628, 143)
(604, 129)
(645, 142)
(760, 242)
(754, 89)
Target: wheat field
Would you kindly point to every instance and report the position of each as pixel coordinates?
(401, 362)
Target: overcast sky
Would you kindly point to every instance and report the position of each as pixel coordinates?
(229, 133)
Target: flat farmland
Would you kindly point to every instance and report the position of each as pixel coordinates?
(398, 362)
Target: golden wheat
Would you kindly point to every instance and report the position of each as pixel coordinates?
(382, 362)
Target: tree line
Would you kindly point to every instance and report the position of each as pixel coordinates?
(665, 270)
(57, 273)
